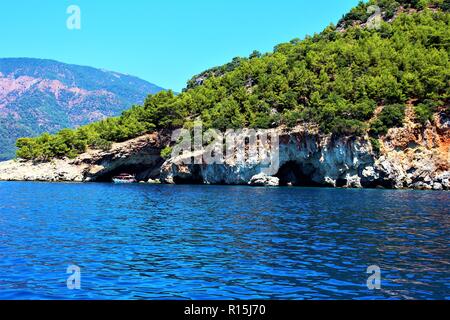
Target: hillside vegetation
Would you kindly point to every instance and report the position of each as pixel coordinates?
(334, 80)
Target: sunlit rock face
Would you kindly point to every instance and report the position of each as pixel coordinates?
(304, 159)
(410, 157)
(413, 157)
(263, 180)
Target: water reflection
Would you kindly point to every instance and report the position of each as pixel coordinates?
(198, 242)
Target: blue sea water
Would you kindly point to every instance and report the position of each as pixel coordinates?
(221, 242)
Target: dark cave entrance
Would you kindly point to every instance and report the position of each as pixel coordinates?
(142, 172)
(341, 182)
(378, 184)
(293, 173)
(194, 178)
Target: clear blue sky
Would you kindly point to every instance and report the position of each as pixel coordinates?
(164, 41)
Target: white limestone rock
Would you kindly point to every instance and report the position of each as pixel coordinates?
(264, 180)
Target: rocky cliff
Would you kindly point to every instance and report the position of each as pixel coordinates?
(409, 157)
(140, 156)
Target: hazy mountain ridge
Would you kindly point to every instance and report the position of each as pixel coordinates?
(39, 96)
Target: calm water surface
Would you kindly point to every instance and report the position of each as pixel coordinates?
(217, 242)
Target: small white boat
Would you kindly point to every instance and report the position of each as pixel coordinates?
(124, 178)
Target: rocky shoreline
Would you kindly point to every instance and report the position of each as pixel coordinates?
(410, 157)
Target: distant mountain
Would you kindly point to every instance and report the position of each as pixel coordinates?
(39, 96)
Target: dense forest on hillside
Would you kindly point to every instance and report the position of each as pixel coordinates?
(334, 80)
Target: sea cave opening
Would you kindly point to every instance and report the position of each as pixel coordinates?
(194, 178)
(142, 172)
(294, 173)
